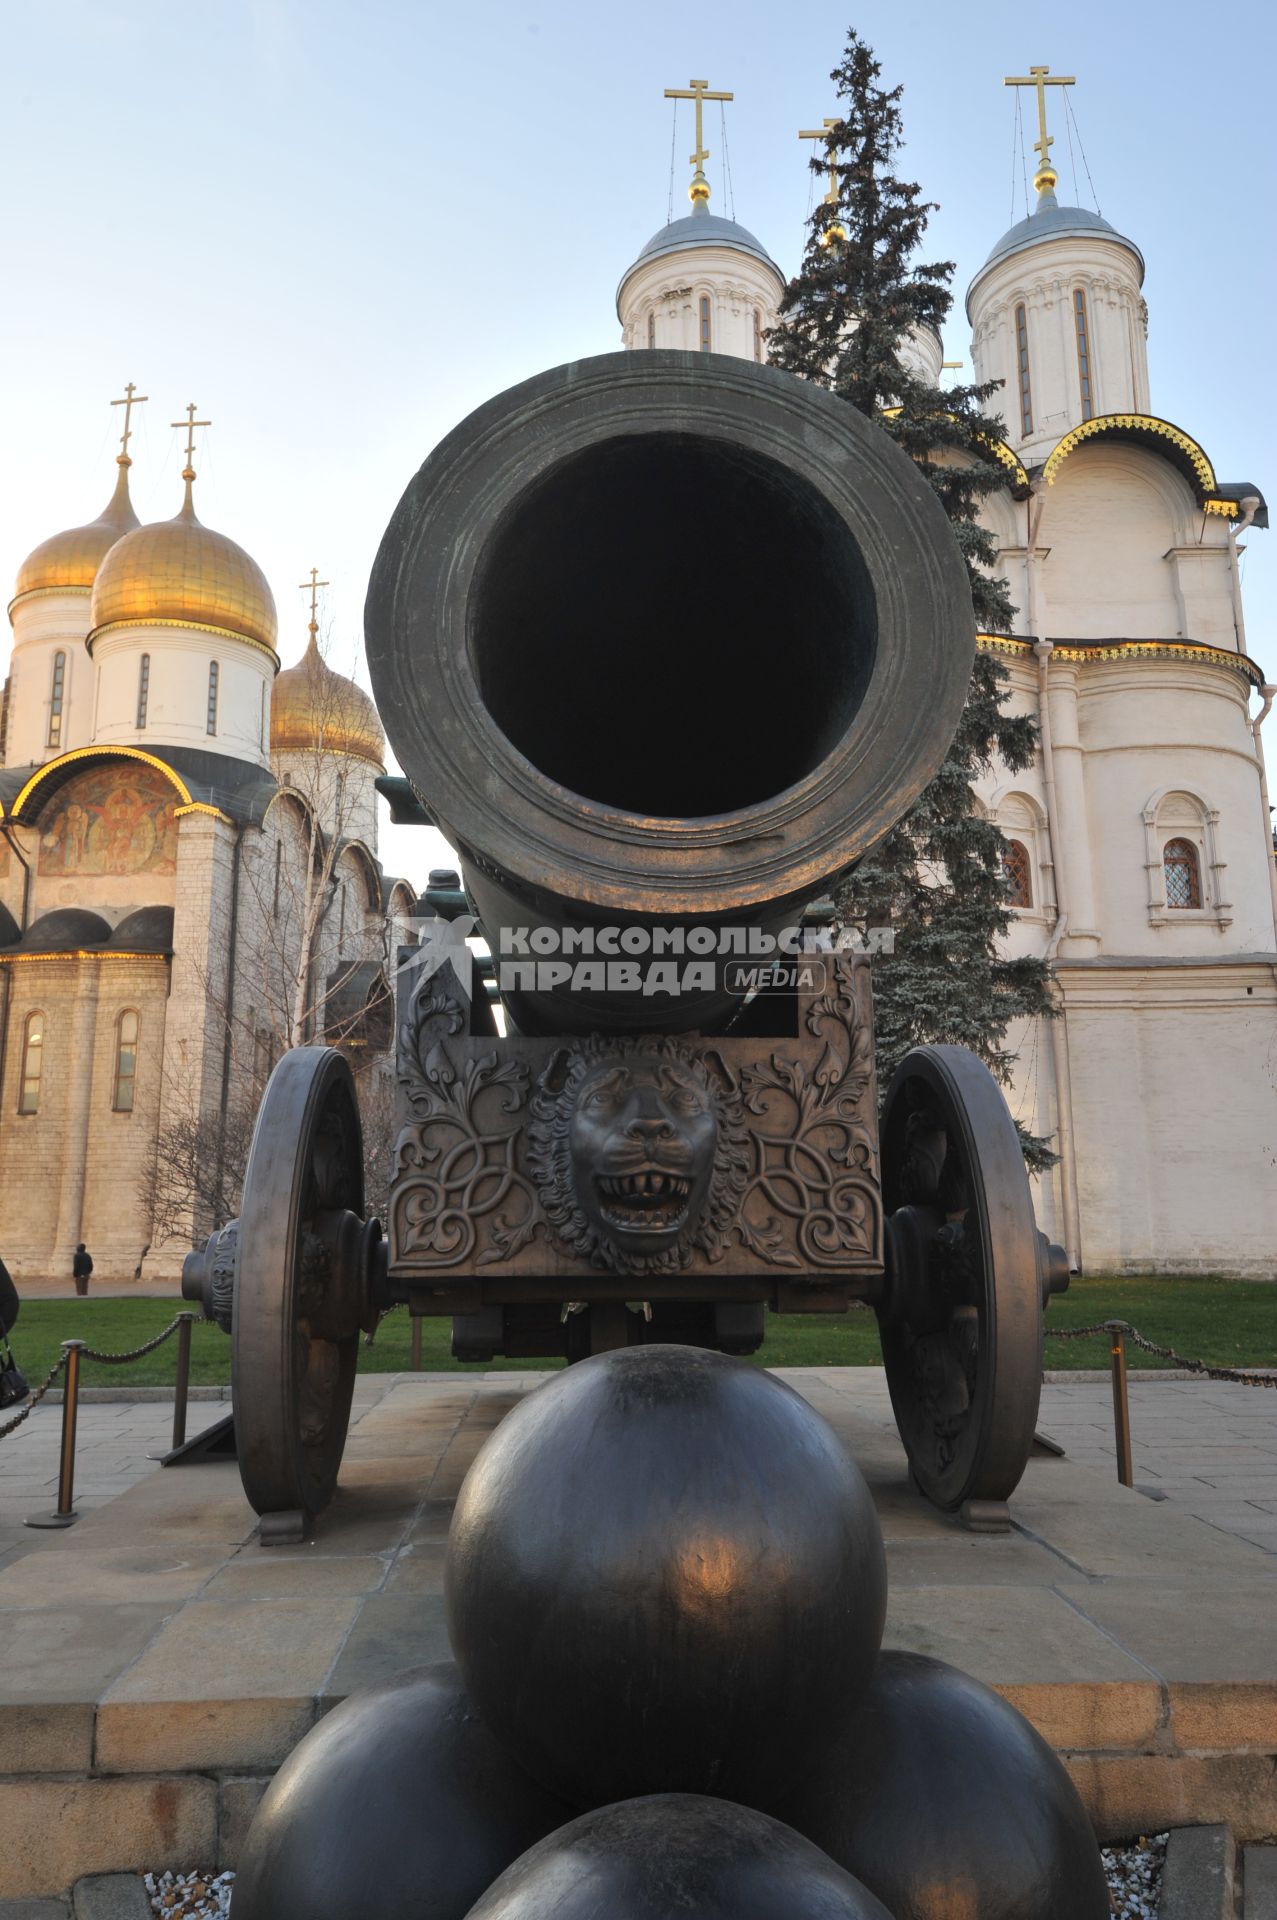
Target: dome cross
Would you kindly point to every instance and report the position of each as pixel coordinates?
(312, 587)
(132, 398)
(1041, 78)
(190, 423)
(822, 133)
(697, 90)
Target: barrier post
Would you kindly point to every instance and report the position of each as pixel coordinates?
(1121, 1405)
(185, 1322)
(416, 1343)
(65, 1515)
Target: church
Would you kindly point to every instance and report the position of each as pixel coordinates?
(189, 882)
(1140, 842)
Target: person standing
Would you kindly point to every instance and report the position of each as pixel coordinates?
(82, 1267)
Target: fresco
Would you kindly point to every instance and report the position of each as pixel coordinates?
(112, 819)
(4, 859)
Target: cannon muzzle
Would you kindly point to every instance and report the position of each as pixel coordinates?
(664, 642)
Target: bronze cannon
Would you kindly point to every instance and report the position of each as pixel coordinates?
(664, 644)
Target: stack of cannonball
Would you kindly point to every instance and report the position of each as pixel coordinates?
(666, 1589)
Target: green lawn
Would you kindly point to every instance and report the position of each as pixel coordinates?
(1227, 1322)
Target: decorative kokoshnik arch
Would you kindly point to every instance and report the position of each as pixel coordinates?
(46, 780)
(1174, 445)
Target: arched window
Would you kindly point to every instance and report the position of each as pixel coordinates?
(1018, 870)
(212, 696)
(705, 332)
(1022, 365)
(32, 1064)
(651, 328)
(1182, 874)
(1083, 351)
(56, 693)
(758, 333)
(126, 1030)
(143, 688)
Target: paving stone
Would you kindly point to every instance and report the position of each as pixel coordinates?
(110, 1896)
(1006, 1635)
(1259, 1883)
(1225, 1716)
(310, 1575)
(34, 1910)
(239, 1802)
(1197, 1881)
(1150, 1793)
(1231, 1636)
(418, 1569)
(53, 1831)
(1088, 1717)
(393, 1631)
(106, 1574)
(55, 1654)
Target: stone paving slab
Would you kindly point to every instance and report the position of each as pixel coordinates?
(164, 1662)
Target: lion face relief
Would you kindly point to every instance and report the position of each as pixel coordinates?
(638, 1149)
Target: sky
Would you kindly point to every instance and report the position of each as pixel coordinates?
(340, 228)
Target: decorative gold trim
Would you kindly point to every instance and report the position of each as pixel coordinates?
(98, 753)
(202, 806)
(185, 626)
(42, 593)
(1141, 423)
(1231, 509)
(998, 449)
(10, 959)
(1238, 663)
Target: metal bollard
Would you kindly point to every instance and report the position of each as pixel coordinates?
(1121, 1405)
(182, 1386)
(416, 1343)
(65, 1514)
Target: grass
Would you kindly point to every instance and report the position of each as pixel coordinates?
(1226, 1322)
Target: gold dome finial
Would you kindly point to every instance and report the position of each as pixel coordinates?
(188, 471)
(835, 232)
(132, 398)
(697, 90)
(315, 710)
(312, 587)
(1041, 78)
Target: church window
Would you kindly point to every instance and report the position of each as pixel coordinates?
(758, 334)
(1083, 352)
(341, 929)
(212, 696)
(1182, 874)
(143, 688)
(651, 328)
(279, 861)
(1022, 365)
(32, 1064)
(55, 699)
(705, 332)
(126, 1031)
(1019, 874)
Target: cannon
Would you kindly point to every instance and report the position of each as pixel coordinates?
(664, 643)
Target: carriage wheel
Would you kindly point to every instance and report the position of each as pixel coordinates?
(968, 1275)
(302, 1261)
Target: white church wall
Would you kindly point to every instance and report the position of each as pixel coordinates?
(177, 691)
(660, 303)
(1107, 524)
(44, 625)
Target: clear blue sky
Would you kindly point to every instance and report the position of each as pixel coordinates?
(339, 228)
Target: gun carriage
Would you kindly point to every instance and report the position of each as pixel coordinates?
(664, 643)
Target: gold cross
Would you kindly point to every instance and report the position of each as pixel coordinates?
(132, 398)
(822, 133)
(949, 363)
(312, 586)
(700, 93)
(190, 423)
(1038, 77)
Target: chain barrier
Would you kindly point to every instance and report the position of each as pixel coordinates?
(119, 1359)
(10, 1426)
(1237, 1374)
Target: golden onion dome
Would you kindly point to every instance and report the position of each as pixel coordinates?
(71, 559)
(314, 710)
(180, 573)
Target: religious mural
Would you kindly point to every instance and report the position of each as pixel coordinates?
(112, 819)
(4, 859)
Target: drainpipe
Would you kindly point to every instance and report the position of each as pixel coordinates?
(1250, 507)
(1043, 649)
(1267, 694)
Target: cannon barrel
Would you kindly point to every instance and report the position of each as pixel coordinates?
(664, 641)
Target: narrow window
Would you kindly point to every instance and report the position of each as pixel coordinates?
(651, 328)
(261, 721)
(1022, 361)
(341, 930)
(1182, 874)
(126, 1028)
(212, 696)
(32, 1064)
(341, 795)
(1019, 874)
(279, 861)
(143, 688)
(705, 334)
(758, 334)
(55, 699)
(1083, 351)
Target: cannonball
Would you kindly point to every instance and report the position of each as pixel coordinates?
(399, 1802)
(674, 1853)
(944, 1800)
(664, 1574)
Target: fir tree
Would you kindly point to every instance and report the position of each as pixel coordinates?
(938, 879)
